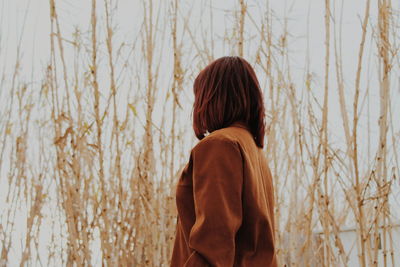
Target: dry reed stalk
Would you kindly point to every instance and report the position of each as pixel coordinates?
(354, 147)
(148, 159)
(241, 26)
(324, 135)
(384, 45)
(116, 201)
(107, 249)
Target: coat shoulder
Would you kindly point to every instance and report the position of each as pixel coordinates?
(229, 136)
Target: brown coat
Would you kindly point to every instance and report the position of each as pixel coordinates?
(225, 204)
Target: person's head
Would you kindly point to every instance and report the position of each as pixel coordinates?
(226, 91)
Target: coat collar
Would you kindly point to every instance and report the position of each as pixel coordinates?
(239, 124)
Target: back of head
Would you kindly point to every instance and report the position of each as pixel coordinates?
(226, 91)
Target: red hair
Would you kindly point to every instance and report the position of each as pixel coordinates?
(226, 91)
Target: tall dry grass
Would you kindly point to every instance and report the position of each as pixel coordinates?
(90, 156)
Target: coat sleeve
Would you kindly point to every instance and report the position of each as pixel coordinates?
(217, 190)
